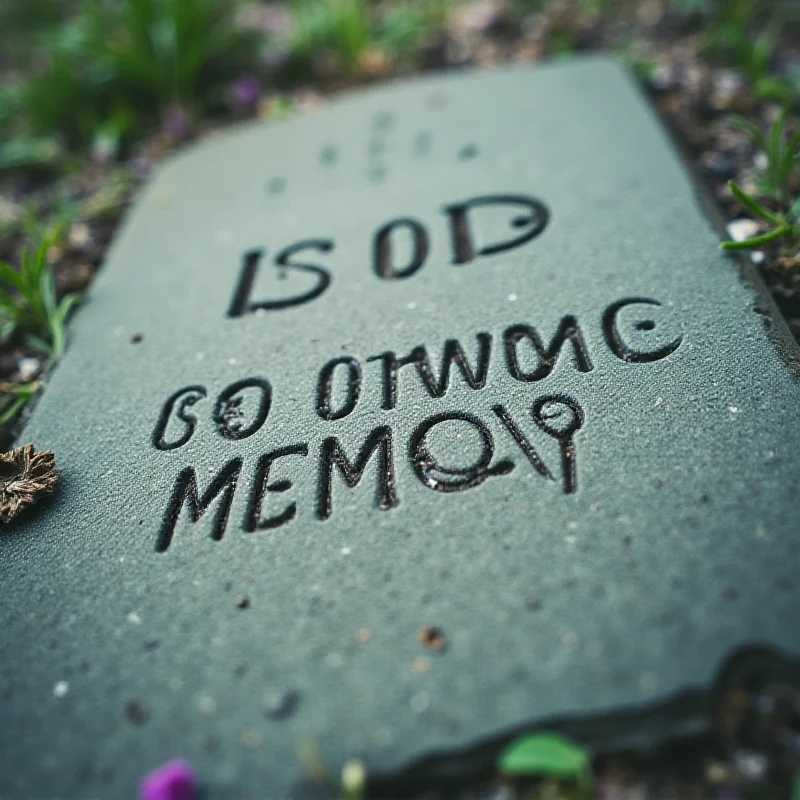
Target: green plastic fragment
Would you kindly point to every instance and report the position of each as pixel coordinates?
(545, 754)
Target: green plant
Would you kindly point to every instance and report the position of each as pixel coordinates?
(783, 156)
(784, 226)
(28, 302)
(777, 184)
(643, 67)
(114, 66)
(14, 397)
(548, 755)
(746, 33)
(404, 28)
(342, 28)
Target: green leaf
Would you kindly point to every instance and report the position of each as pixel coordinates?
(13, 398)
(22, 153)
(757, 241)
(11, 277)
(776, 137)
(545, 754)
(58, 320)
(39, 344)
(11, 408)
(753, 205)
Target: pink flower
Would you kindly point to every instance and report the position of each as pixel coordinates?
(174, 780)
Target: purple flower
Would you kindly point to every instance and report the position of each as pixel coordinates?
(245, 92)
(176, 123)
(174, 780)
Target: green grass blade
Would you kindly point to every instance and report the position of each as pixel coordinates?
(757, 241)
(58, 332)
(753, 205)
(12, 409)
(11, 277)
(40, 345)
(776, 138)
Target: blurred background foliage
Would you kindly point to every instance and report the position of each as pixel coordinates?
(96, 74)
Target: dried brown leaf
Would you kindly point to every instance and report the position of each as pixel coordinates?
(25, 476)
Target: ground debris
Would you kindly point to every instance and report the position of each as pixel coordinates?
(25, 476)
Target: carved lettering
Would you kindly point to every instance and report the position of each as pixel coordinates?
(253, 521)
(332, 455)
(449, 479)
(185, 493)
(325, 388)
(383, 262)
(619, 346)
(568, 330)
(533, 219)
(179, 403)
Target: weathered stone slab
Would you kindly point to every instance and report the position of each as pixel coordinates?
(598, 507)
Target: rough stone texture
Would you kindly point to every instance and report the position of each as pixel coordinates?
(677, 549)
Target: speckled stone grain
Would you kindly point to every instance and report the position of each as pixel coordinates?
(677, 548)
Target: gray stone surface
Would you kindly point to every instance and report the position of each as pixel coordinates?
(676, 549)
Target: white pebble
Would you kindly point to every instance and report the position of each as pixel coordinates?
(28, 368)
(752, 765)
(741, 229)
(61, 689)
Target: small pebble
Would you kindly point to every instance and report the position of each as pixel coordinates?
(134, 713)
(741, 229)
(433, 638)
(717, 772)
(718, 164)
(243, 602)
(28, 368)
(281, 705)
(363, 635)
(753, 766)
(79, 235)
(421, 665)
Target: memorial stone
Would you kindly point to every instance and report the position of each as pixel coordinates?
(402, 426)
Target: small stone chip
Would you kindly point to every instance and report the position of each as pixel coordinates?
(433, 638)
(25, 476)
(281, 705)
(134, 713)
(363, 635)
(421, 665)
